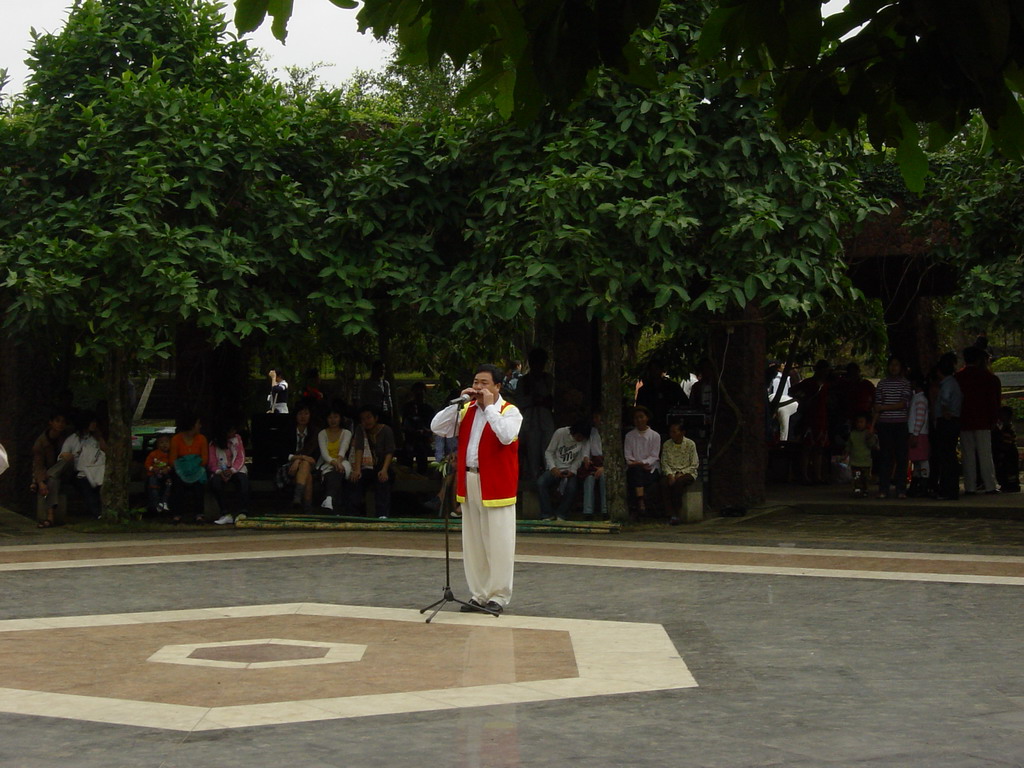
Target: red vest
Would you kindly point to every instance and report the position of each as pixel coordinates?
(499, 463)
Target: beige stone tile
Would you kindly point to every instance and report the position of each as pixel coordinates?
(483, 695)
(104, 710)
(365, 706)
(407, 665)
(276, 713)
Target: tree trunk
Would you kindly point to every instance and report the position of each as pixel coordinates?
(119, 440)
(574, 353)
(610, 345)
(738, 451)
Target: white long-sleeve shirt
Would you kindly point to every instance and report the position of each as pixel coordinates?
(564, 451)
(344, 441)
(505, 424)
(644, 447)
(88, 456)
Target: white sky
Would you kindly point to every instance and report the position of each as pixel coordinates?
(318, 31)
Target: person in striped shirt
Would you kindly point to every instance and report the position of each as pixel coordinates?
(891, 410)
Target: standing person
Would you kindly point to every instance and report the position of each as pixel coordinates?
(946, 432)
(982, 393)
(334, 441)
(564, 457)
(659, 395)
(892, 407)
(859, 444)
(919, 449)
(376, 392)
(813, 394)
(787, 405)
(487, 477)
(277, 400)
(373, 451)
(416, 416)
(860, 393)
(226, 464)
(311, 393)
(642, 449)
(513, 372)
(536, 397)
(48, 469)
(1004, 452)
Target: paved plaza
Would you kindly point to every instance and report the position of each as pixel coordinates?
(743, 642)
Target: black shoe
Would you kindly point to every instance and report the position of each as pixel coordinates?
(493, 607)
(472, 607)
(434, 504)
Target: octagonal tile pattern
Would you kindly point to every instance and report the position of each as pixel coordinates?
(259, 654)
(319, 662)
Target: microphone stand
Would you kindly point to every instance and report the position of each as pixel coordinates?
(447, 596)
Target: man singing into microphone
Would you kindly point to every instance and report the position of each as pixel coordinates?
(486, 481)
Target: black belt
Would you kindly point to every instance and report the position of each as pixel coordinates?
(474, 470)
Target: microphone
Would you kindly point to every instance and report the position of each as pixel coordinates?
(464, 398)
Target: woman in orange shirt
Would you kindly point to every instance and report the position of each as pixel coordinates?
(189, 451)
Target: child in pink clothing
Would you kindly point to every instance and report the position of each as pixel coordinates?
(226, 465)
(919, 450)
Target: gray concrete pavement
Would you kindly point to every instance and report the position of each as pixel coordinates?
(791, 670)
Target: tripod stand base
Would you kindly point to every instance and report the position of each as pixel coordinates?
(448, 597)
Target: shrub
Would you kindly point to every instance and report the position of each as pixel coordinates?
(1008, 363)
(1017, 405)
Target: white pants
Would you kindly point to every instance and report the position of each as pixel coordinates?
(977, 449)
(488, 546)
(783, 415)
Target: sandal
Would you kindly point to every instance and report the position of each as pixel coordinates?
(883, 495)
(45, 524)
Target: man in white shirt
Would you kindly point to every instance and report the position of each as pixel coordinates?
(487, 476)
(642, 450)
(563, 458)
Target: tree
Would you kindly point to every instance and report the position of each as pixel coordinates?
(678, 204)
(146, 189)
(887, 66)
(980, 196)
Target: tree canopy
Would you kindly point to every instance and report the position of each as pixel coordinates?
(151, 191)
(878, 65)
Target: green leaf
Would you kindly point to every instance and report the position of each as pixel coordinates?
(249, 14)
(912, 160)
(281, 11)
